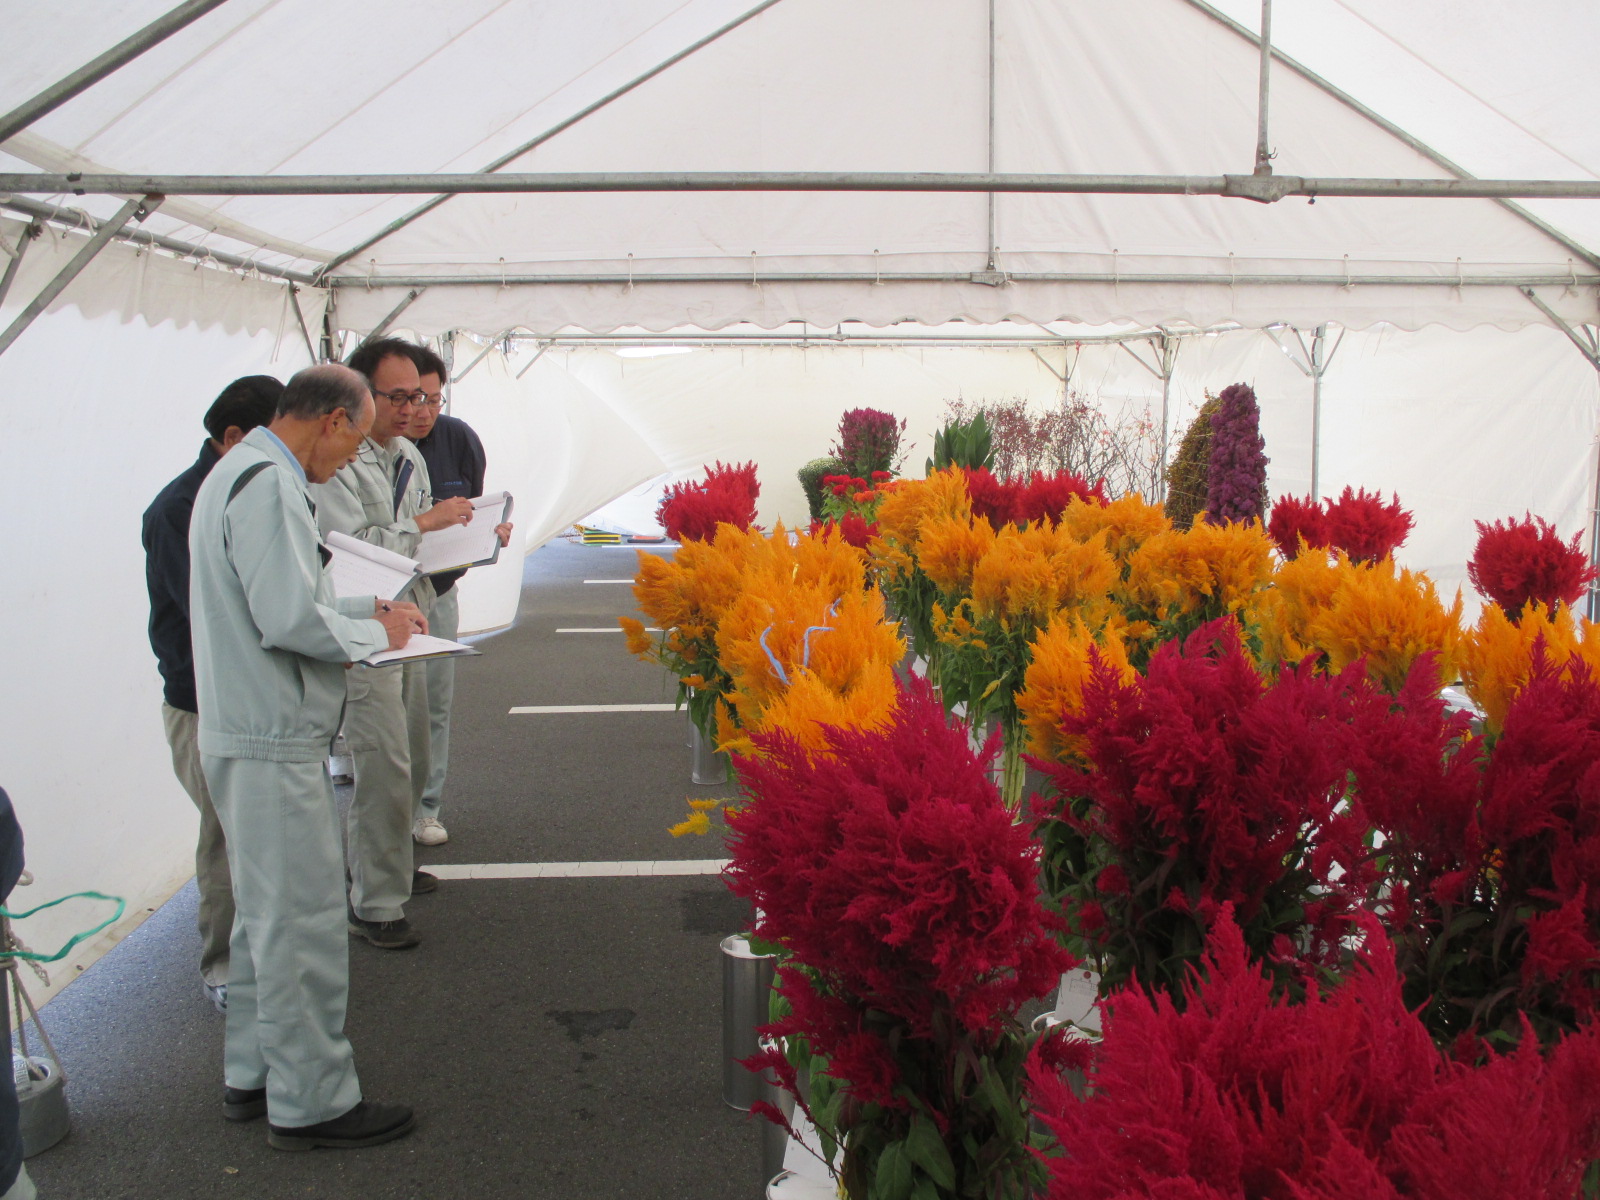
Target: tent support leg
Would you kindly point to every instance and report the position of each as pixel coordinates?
(33, 230)
(139, 206)
(93, 72)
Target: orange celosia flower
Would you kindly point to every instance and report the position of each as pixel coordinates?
(1497, 655)
(1389, 619)
(1128, 523)
(1034, 572)
(809, 703)
(1212, 568)
(1053, 685)
(639, 642)
(950, 548)
(903, 511)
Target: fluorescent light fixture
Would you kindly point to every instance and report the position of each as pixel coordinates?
(652, 351)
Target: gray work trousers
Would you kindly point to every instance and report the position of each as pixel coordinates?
(386, 731)
(211, 875)
(289, 972)
(442, 622)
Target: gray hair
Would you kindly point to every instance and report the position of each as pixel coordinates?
(318, 391)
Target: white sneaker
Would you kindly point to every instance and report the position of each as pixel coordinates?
(426, 831)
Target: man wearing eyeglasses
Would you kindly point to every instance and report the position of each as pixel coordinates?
(385, 497)
(456, 464)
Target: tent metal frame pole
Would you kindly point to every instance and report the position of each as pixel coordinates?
(362, 282)
(989, 247)
(72, 218)
(300, 319)
(1318, 341)
(1265, 189)
(1578, 250)
(1589, 347)
(482, 354)
(31, 231)
(1169, 358)
(537, 355)
(401, 222)
(139, 206)
(96, 69)
(382, 327)
(1263, 152)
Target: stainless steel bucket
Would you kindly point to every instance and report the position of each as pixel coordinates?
(746, 987)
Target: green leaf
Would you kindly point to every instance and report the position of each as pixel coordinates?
(892, 1180)
(925, 1190)
(926, 1147)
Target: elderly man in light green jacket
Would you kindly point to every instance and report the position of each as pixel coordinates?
(270, 646)
(384, 497)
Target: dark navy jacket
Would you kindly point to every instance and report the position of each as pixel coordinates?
(166, 574)
(456, 463)
(10, 1113)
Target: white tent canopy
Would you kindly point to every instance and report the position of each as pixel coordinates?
(1139, 88)
(1458, 382)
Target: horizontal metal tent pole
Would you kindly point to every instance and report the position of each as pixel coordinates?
(369, 282)
(71, 218)
(93, 72)
(1263, 188)
(138, 208)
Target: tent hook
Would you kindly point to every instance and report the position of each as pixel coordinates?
(630, 271)
(1349, 284)
(754, 282)
(877, 268)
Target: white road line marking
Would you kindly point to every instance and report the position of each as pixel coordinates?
(550, 709)
(607, 629)
(608, 581)
(580, 870)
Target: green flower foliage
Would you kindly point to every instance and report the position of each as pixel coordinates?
(810, 477)
(1188, 475)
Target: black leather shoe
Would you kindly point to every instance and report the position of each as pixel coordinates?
(367, 1124)
(422, 882)
(386, 935)
(244, 1104)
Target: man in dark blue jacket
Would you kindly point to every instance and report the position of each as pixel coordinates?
(14, 1181)
(243, 405)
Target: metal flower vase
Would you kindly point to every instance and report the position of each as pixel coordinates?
(746, 992)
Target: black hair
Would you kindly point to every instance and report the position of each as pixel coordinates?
(318, 391)
(368, 355)
(429, 363)
(244, 403)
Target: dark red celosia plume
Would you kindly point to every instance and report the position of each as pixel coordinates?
(1294, 521)
(1492, 855)
(892, 870)
(1209, 787)
(852, 527)
(1042, 498)
(1524, 561)
(1364, 527)
(694, 508)
(1238, 1093)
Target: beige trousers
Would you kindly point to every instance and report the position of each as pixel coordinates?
(211, 875)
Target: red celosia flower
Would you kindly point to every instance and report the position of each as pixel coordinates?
(1294, 521)
(1045, 497)
(880, 476)
(891, 868)
(990, 497)
(852, 527)
(1364, 527)
(1524, 561)
(1208, 786)
(1492, 853)
(1237, 1093)
(694, 509)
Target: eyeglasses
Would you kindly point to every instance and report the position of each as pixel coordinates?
(399, 399)
(433, 402)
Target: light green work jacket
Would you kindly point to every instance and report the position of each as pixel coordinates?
(270, 639)
(360, 501)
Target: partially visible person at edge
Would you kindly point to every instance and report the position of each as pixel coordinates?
(270, 645)
(14, 1181)
(243, 404)
(456, 463)
(385, 498)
